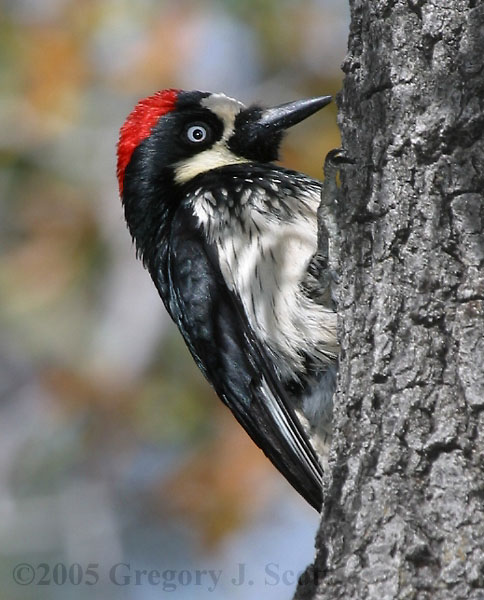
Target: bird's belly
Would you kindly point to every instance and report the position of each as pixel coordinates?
(266, 268)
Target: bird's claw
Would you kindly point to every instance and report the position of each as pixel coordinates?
(327, 213)
(335, 160)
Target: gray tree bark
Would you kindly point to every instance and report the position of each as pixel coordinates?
(403, 515)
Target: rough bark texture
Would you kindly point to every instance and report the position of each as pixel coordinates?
(404, 501)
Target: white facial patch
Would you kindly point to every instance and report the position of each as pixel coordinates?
(226, 109)
(216, 156)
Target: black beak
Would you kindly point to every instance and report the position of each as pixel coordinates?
(286, 115)
(259, 132)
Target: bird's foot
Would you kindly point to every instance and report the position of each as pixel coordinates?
(328, 243)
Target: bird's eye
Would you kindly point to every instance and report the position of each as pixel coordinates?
(196, 133)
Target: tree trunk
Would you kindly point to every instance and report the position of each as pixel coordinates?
(404, 499)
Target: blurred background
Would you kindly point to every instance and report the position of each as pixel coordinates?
(113, 449)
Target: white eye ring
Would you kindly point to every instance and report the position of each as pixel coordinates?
(197, 133)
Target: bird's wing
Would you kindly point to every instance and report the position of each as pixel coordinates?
(217, 332)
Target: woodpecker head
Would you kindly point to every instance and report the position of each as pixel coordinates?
(187, 133)
(174, 136)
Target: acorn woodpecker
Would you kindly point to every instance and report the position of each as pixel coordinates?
(232, 243)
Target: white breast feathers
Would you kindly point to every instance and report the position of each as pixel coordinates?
(264, 258)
